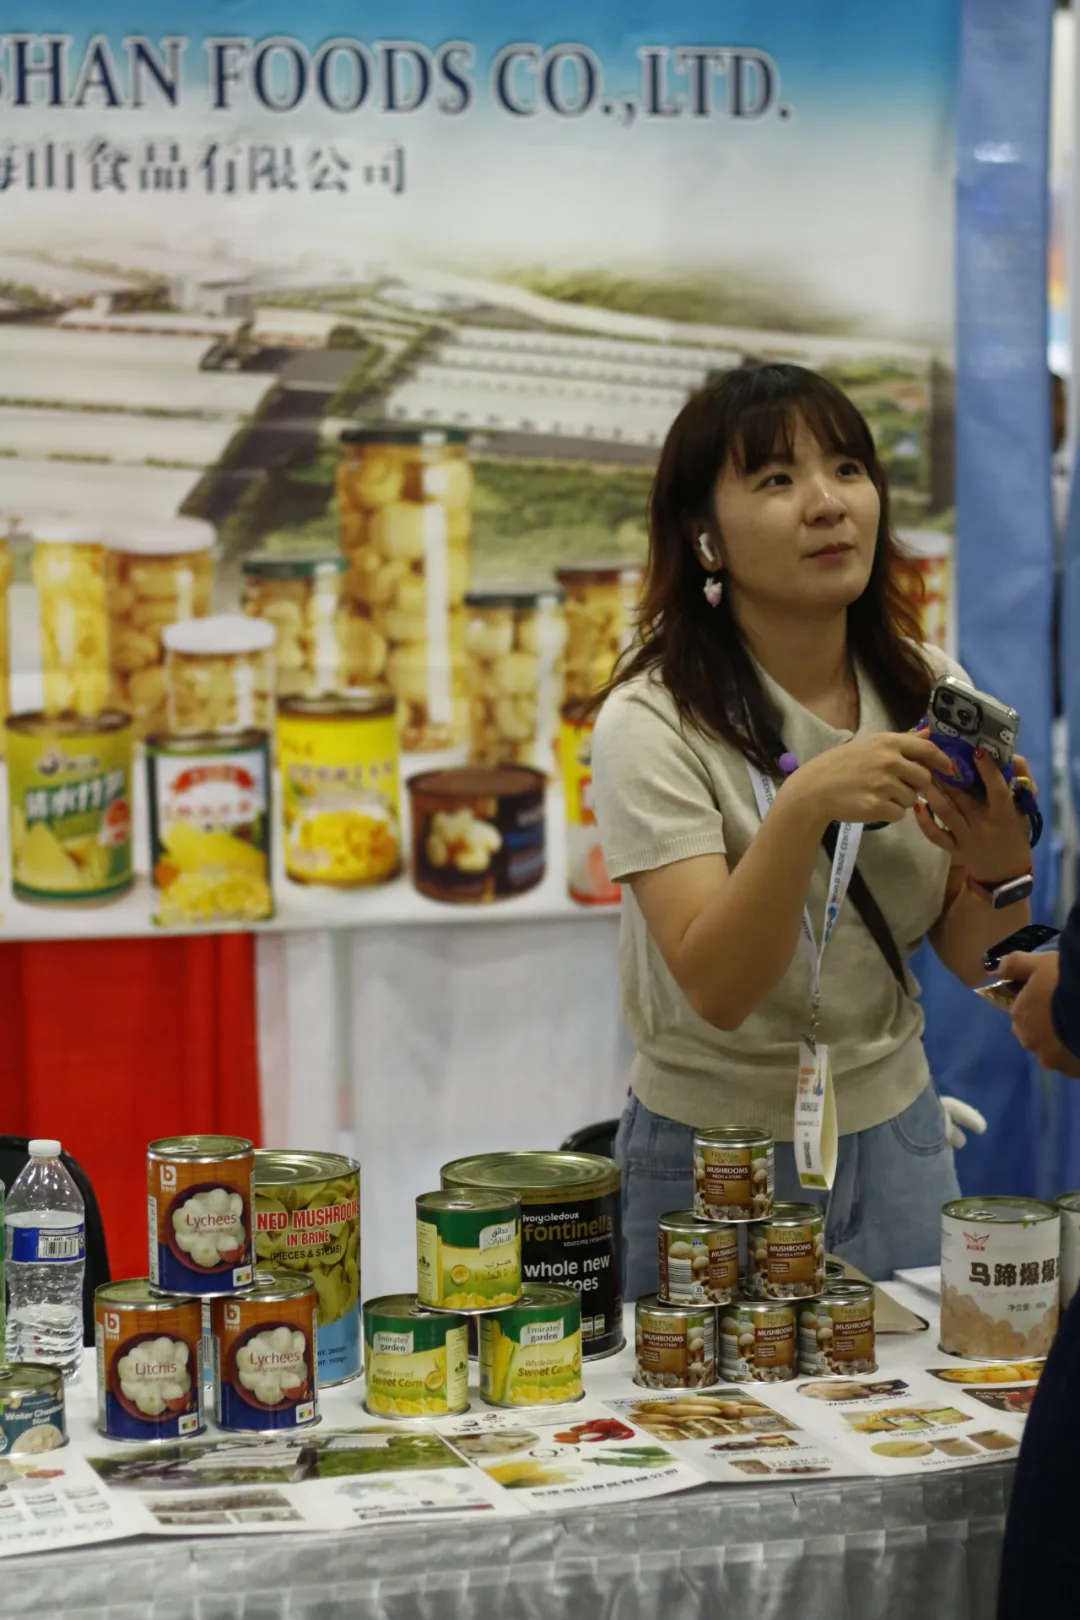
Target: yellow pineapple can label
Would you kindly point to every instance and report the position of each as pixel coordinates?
(530, 1353)
(416, 1361)
(69, 798)
(339, 760)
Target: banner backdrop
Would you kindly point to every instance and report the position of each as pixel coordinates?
(402, 311)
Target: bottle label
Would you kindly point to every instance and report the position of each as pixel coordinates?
(31, 1245)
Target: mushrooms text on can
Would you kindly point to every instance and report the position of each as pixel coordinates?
(307, 1221)
(530, 1353)
(265, 1343)
(199, 1192)
(675, 1345)
(31, 1409)
(1068, 1205)
(733, 1173)
(698, 1260)
(468, 1249)
(416, 1359)
(757, 1342)
(999, 1277)
(149, 1362)
(785, 1256)
(571, 1228)
(836, 1332)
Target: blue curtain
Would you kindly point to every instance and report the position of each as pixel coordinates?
(1005, 538)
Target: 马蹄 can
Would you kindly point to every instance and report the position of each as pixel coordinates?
(757, 1342)
(210, 820)
(836, 1332)
(675, 1345)
(149, 1362)
(69, 800)
(999, 1278)
(698, 1260)
(265, 1355)
(31, 1409)
(416, 1361)
(199, 1193)
(571, 1228)
(785, 1255)
(307, 1221)
(468, 1249)
(1068, 1205)
(530, 1353)
(733, 1173)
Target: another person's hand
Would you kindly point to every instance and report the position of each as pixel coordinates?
(992, 837)
(1033, 1025)
(877, 778)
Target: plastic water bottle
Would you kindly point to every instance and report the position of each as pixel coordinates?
(45, 1243)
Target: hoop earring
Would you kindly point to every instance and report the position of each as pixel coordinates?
(714, 590)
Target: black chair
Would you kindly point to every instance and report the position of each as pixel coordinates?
(593, 1139)
(14, 1154)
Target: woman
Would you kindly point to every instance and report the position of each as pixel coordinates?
(772, 625)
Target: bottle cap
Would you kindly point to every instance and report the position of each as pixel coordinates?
(44, 1147)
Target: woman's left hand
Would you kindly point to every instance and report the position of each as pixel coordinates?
(990, 837)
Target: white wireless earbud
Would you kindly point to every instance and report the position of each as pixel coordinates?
(708, 550)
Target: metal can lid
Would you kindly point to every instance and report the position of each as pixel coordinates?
(207, 742)
(39, 724)
(733, 1136)
(540, 1177)
(461, 1201)
(545, 1297)
(161, 537)
(1069, 1201)
(793, 1215)
(425, 437)
(200, 1149)
(469, 782)
(1000, 1211)
(684, 1220)
(221, 635)
(756, 1307)
(140, 1293)
(847, 1291)
(281, 1167)
(491, 599)
(612, 571)
(653, 1305)
(356, 703)
(29, 1378)
(66, 529)
(407, 1308)
(294, 564)
(267, 1287)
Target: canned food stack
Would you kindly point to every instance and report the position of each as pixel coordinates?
(745, 1294)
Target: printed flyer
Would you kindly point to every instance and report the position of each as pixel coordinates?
(54, 1499)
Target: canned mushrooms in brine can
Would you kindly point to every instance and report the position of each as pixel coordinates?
(733, 1173)
(199, 1195)
(69, 802)
(468, 1249)
(571, 1228)
(698, 1260)
(149, 1362)
(836, 1332)
(999, 1278)
(785, 1255)
(31, 1409)
(210, 820)
(265, 1355)
(757, 1342)
(675, 1345)
(307, 1221)
(416, 1359)
(1068, 1205)
(530, 1353)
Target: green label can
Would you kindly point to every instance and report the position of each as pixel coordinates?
(530, 1353)
(468, 1249)
(69, 798)
(416, 1361)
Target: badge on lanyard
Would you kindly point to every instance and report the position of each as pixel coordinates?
(815, 1105)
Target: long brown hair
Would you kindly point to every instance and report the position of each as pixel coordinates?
(750, 416)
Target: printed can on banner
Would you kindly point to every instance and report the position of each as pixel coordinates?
(587, 873)
(999, 1278)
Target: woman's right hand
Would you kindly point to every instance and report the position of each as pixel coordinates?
(870, 779)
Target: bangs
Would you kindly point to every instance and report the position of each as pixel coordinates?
(767, 426)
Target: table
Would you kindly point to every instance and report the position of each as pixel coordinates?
(894, 1549)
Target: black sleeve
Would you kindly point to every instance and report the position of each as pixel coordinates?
(1065, 1007)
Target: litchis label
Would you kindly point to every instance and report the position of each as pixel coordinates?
(35, 1245)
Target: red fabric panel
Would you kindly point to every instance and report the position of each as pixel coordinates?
(108, 1044)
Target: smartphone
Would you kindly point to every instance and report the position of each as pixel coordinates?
(961, 720)
(1035, 937)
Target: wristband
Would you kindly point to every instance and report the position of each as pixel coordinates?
(1007, 893)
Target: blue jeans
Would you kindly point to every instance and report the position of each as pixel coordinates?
(885, 1209)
